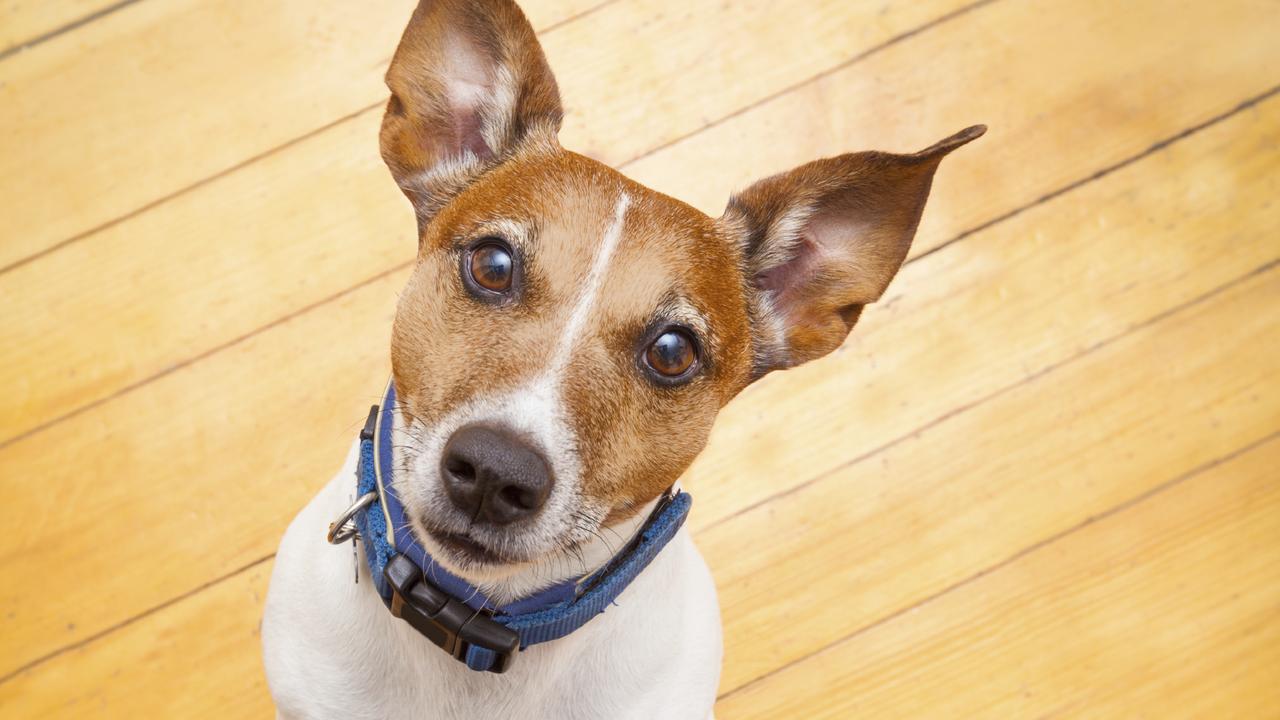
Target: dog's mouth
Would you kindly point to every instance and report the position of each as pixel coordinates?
(468, 551)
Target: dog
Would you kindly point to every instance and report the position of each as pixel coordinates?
(564, 342)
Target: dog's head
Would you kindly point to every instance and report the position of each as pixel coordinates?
(568, 336)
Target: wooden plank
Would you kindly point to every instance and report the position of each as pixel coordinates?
(201, 480)
(237, 255)
(1019, 298)
(1066, 88)
(862, 544)
(24, 21)
(212, 265)
(199, 658)
(872, 538)
(1166, 609)
(218, 494)
(166, 78)
(163, 80)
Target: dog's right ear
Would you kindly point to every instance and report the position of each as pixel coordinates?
(468, 84)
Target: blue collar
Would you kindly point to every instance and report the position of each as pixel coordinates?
(459, 617)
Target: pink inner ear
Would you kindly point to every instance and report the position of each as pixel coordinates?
(825, 251)
(468, 84)
(796, 286)
(468, 133)
(785, 281)
(835, 253)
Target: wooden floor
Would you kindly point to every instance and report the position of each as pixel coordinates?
(1041, 480)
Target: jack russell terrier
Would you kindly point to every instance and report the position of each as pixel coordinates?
(565, 341)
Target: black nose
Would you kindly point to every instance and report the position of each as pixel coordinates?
(492, 475)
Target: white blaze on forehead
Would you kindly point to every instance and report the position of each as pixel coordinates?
(587, 298)
(536, 409)
(539, 405)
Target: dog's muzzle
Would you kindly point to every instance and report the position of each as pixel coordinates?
(447, 610)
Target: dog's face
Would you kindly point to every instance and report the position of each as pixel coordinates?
(568, 329)
(568, 335)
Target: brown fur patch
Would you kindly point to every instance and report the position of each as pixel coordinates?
(635, 436)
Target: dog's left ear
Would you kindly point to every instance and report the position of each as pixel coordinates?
(469, 84)
(825, 239)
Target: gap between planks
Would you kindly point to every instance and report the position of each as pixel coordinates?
(63, 29)
(1137, 500)
(957, 238)
(936, 22)
(1156, 147)
(1027, 380)
(96, 15)
(1174, 310)
(974, 577)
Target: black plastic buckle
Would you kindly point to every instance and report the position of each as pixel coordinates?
(370, 424)
(450, 624)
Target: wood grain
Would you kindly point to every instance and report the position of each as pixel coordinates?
(165, 76)
(23, 22)
(1038, 481)
(197, 659)
(879, 537)
(332, 218)
(1163, 609)
(1067, 88)
(992, 278)
(1016, 299)
(870, 538)
(207, 459)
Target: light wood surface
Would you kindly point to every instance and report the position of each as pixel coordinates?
(1039, 480)
(26, 23)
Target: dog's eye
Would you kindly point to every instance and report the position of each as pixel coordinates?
(491, 266)
(672, 353)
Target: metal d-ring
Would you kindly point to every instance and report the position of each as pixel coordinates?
(344, 528)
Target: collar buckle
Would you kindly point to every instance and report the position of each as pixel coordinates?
(470, 636)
